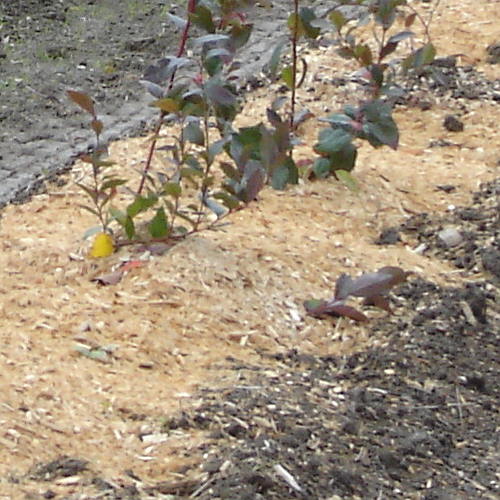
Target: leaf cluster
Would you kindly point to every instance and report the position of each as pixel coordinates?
(373, 287)
(371, 120)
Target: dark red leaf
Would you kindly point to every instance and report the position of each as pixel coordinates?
(346, 311)
(83, 100)
(370, 284)
(379, 301)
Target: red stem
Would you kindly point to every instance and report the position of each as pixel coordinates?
(182, 46)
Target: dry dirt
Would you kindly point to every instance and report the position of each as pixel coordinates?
(196, 317)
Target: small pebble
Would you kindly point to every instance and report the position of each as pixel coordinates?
(453, 124)
(450, 236)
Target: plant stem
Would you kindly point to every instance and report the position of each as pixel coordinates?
(295, 36)
(204, 187)
(182, 46)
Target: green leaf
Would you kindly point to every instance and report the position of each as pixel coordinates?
(192, 132)
(228, 200)
(295, 25)
(424, 55)
(111, 183)
(215, 148)
(363, 54)
(91, 232)
(287, 76)
(158, 227)
(307, 16)
(202, 17)
(140, 204)
(91, 192)
(271, 67)
(93, 211)
(338, 120)
(385, 13)
(345, 159)
(218, 94)
(216, 37)
(172, 189)
(250, 136)
(379, 126)
(119, 215)
(332, 140)
(213, 65)
(337, 19)
(240, 34)
(313, 304)
(322, 168)
(189, 172)
(124, 220)
(293, 171)
(177, 21)
(347, 179)
(286, 173)
(166, 104)
(129, 227)
(279, 177)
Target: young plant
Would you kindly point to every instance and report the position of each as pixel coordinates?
(373, 287)
(197, 100)
(371, 119)
(102, 187)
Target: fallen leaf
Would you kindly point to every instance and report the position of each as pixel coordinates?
(110, 278)
(103, 246)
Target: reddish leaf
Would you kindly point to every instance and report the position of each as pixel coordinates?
(379, 301)
(86, 158)
(346, 311)
(255, 180)
(410, 19)
(83, 100)
(131, 264)
(337, 308)
(97, 126)
(370, 284)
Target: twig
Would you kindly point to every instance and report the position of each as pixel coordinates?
(204, 486)
(288, 478)
(459, 405)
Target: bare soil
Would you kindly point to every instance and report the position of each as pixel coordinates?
(213, 382)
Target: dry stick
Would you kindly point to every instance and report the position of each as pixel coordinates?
(152, 148)
(426, 24)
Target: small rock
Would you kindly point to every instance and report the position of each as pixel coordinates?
(493, 52)
(447, 188)
(450, 236)
(453, 124)
(389, 236)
